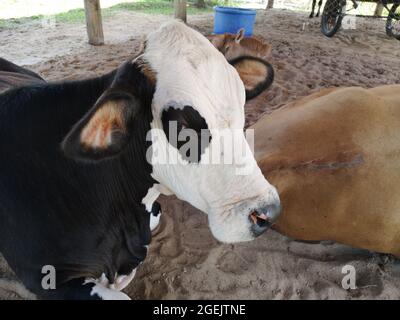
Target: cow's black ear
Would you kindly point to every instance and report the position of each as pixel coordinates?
(256, 74)
(106, 129)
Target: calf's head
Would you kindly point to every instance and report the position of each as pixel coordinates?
(233, 46)
(198, 150)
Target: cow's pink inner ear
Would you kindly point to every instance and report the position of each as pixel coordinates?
(105, 122)
(240, 35)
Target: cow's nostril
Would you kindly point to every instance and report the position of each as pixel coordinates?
(263, 218)
(258, 219)
(260, 222)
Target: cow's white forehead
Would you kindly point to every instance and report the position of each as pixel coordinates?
(191, 71)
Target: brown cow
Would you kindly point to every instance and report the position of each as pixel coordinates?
(12, 76)
(233, 46)
(334, 157)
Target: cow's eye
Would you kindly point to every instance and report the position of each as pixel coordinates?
(179, 124)
(187, 131)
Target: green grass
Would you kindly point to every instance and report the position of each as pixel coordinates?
(165, 7)
(156, 7)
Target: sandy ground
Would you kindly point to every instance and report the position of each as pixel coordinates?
(184, 260)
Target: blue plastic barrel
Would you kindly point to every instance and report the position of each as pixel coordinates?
(230, 20)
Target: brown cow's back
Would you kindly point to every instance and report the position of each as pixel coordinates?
(335, 159)
(10, 80)
(12, 75)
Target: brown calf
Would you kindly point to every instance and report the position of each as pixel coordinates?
(236, 45)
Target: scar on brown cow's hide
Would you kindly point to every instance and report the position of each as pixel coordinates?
(342, 160)
(104, 123)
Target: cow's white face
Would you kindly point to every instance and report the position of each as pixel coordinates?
(192, 99)
(199, 94)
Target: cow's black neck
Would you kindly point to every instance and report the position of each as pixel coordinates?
(85, 219)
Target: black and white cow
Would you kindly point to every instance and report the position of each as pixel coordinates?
(79, 169)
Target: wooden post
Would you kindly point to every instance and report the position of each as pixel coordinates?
(378, 9)
(180, 9)
(94, 25)
(270, 4)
